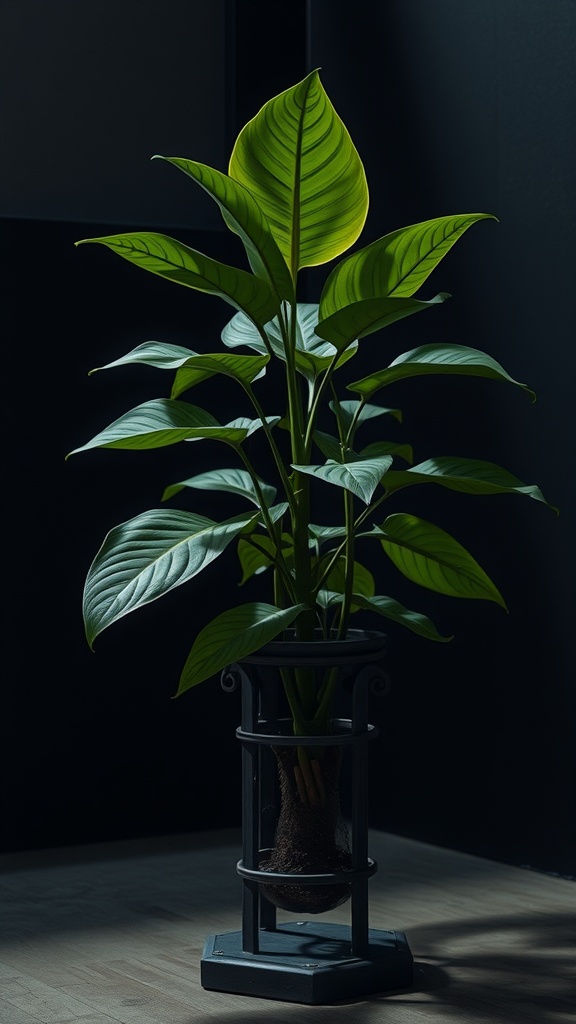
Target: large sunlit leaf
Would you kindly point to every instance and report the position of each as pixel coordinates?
(430, 557)
(360, 477)
(395, 611)
(457, 360)
(174, 261)
(159, 423)
(297, 159)
(395, 265)
(369, 315)
(232, 636)
(231, 481)
(148, 556)
(471, 476)
(244, 217)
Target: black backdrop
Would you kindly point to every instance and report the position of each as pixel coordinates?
(453, 108)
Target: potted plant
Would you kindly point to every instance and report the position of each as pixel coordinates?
(296, 195)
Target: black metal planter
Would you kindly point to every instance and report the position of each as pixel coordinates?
(304, 961)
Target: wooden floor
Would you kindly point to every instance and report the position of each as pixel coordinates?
(113, 934)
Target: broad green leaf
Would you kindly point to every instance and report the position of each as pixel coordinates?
(174, 261)
(360, 477)
(148, 556)
(243, 369)
(325, 533)
(369, 315)
(330, 447)
(231, 481)
(244, 217)
(297, 159)
(159, 423)
(232, 636)
(395, 611)
(430, 557)
(250, 426)
(468, 475)
(395, 265)
(457, 360)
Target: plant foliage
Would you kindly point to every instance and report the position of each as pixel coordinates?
(296, 196)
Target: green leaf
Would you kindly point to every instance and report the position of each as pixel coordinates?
(146, 557)
(254, 560)
(458, 360)
(471, 476)
(404, 451)
(395, 611)
(363, 580)
(360, 477)
(312, 355)
(297, 159)
(159, 423)
(397, 264)
(351, 410)
(231, 481)
(244, 217)
(243, 369)
(152, 353)
(369, 315)
(430, 557)
(170, 259)
(232, 636)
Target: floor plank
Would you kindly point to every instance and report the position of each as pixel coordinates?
(113, 934)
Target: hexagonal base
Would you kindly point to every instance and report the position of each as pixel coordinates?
(306, 963)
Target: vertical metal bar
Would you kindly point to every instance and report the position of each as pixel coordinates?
(359, 911)
(250, 816)
(269, 800)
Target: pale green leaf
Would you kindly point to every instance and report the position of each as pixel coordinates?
(159, 423)
(471, 476)
(146, 557)
(360, 477)
(457, 360)
(231, 636)
(231, 481)
(297, 159)
(243, 369)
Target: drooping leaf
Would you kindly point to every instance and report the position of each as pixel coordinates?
(159, 423)
(430, 557)
(395, 611)
(369, 315)
(243, 369)
(244, 217)
(458, 360)
(232, 636)
(174, 261)
(351, 410)
(471, 476)
(395, 265)
(148, 556)
(297, 159)
(231, 481)
(360, 477)
(152, 353)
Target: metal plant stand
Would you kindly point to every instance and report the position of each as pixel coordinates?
(305, 961)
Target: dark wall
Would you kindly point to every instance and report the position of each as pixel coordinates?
(470, 107)
(453, 108)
